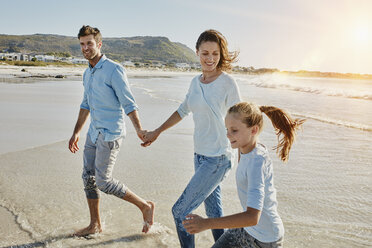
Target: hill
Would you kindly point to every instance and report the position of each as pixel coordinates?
(140, 48)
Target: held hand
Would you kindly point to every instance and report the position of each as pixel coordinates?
(194, 224)
(73, 143)
(150, 137)
(141, 134)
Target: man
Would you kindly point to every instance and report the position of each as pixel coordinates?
(107, 97)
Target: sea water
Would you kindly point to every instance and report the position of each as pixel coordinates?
(324, 191)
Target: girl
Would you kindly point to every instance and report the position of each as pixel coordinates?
(260, 224)
(208, 99)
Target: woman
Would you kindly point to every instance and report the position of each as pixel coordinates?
(209, 97)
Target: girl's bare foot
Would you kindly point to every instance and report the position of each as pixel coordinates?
(91, 229)
(148, 216)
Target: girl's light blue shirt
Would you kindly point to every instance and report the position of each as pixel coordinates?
(255, 184)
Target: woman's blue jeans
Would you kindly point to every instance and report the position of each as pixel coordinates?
(203, 187)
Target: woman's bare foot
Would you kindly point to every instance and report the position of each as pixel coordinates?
(91, 229)
(148, 216)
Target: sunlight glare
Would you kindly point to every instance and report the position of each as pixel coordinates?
(362, 34)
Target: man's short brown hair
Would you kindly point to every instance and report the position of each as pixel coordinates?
(88, 30)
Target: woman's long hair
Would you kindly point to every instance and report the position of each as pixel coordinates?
(226, 57)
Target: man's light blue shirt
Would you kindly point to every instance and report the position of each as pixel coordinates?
(108, 97)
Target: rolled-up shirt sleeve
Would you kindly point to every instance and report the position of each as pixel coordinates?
(84, 104)
(256, 184)
(119, 83)
(184, 110)
(233, 95)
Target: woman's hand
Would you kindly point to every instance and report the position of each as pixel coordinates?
(150, 137)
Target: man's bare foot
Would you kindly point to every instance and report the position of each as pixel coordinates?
(148, 216)
(91, 229)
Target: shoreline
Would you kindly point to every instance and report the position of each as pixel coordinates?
(25, 74)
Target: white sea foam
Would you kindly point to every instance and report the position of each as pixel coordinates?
(334, 121)
(259, 83)
(364, 93)
(155, 94)
(158, 228)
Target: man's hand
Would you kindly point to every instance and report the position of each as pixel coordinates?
(73, 143)
(133, 116)
(141, 133)
(150, 137)
(82, 118)
(194, 224)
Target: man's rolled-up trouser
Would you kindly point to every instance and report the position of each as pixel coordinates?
(99, 161)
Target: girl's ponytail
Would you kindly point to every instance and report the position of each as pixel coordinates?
(285, 126)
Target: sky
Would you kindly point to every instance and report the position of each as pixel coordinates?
(317, 35)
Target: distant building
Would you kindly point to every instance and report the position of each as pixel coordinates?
(16, 56)
(64, 59)
(157, 64)
(79, 61)
(45, 58)
(11, 56)
(139, 64)
(39, 57)
(183, 65)
(24, 57)
(49, 58)
(128, 63)
(195, 66)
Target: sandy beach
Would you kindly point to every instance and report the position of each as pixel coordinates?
(324, 196)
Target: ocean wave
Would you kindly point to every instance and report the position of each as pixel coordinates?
(323, 119)
(328, 120)
(263, 83)
(153, 94)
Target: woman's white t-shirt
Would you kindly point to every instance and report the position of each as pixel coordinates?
(209, 104)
